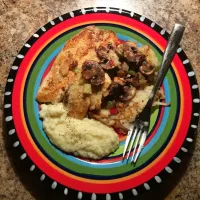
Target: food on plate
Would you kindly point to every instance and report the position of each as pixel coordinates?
(102, 82)
(86, 138)
(69, 62)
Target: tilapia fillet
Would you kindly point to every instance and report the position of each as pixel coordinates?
(77, 50)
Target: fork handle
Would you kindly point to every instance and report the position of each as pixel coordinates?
(168, 56)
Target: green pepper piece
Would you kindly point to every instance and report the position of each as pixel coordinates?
(75, 70)
(131, 72)
(110, 104)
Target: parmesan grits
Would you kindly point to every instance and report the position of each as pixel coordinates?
(87, 138)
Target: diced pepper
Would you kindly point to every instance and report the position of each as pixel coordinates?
(76, 70)
(111, 62)
(87, 88)
(131, 72)
(119, 132)
(110, 104)
(113, 111)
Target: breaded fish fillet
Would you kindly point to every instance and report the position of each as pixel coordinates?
(77, 50)
(78, 105)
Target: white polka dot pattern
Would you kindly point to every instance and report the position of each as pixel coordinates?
(83, 11)
(121, 196)
(189, 139)
(71, 14)
(10, 80)
(9, 118)
(194, 126)
(43, 29)
(195, 86)
(132, 14)
(186, 61)
(80, 195)
(142, 18)
(27, 45)
(134, 191)
(176, 159)
(42, 177)
(190, 73)
(7, 105)
(162, 32)
(179, 50)
(108, 197)
(23, 156)
(32, 168)
(94, 196)
(146, 186)
(7, 93)
(14, 67)
(152, 24)
(20, 56)
(11, 132)
(158, 179)
(16, 144)
(54, 185)
(60, 18)
(36, 35)
(65, 191)
(196, 100)
(52, 23)
(184, 149)
(168, 169)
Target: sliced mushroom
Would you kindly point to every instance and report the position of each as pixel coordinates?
(139, 59)
(125, 67)
(73, 65)
(121, 73)
(98, 79)
(109, 58)
(115, 90)
(102, 52)
(129, 51)
(130, 56)
(129, 93)
(91, 70)
(121, 81)
(106, 64)
(137, 80)
(146, 69)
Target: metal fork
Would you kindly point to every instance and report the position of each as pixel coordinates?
(139, 129)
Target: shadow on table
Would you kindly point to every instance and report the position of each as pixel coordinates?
(42, 189)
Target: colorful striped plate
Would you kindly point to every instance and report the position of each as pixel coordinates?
(172, 129)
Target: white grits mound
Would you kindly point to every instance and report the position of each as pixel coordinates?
(86, 138)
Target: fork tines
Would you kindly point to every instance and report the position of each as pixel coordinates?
(137, 135)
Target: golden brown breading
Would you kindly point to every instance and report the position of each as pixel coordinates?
(51, 89)
(90, 38)
(77, 103)
(79, 48)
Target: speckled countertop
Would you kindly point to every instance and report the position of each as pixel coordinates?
(21, 18)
